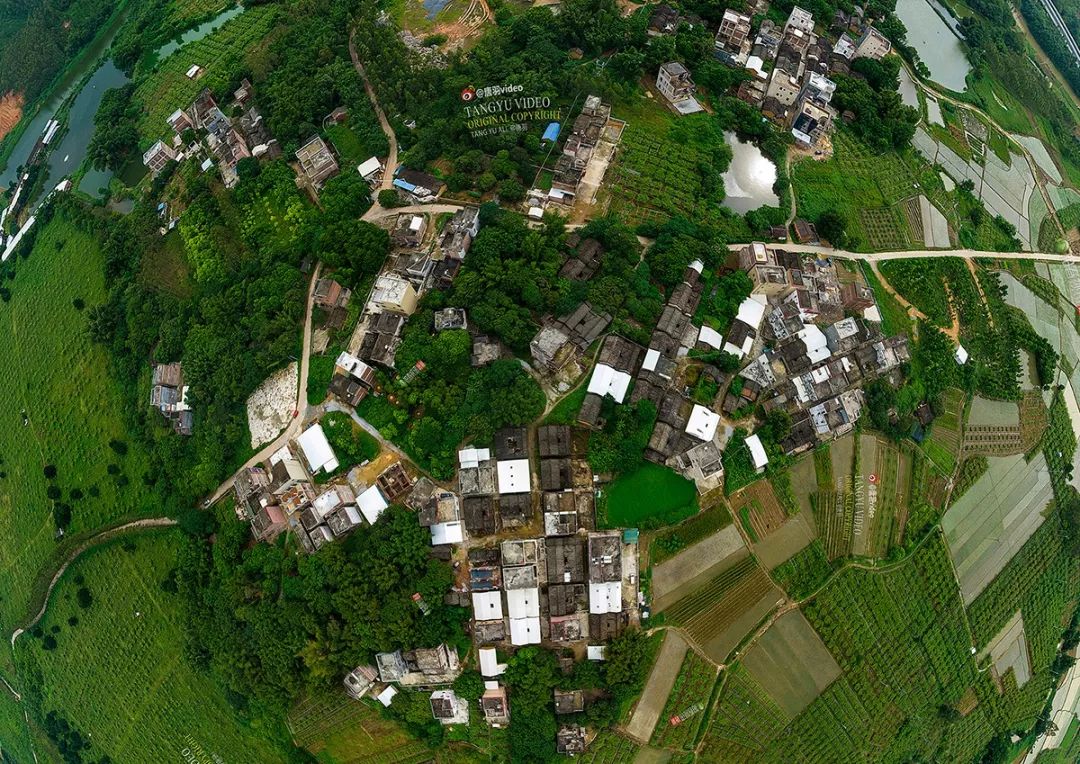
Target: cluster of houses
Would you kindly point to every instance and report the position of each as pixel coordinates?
(289, 492)
(592, 140)
(813, 373)
(789, 66)
(228, 139)
(168, 394)
(422, 259)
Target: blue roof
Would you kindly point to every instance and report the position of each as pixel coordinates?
(551, 133)
(630, 536)
(404, 184)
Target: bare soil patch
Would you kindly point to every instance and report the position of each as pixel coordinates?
(11, 109)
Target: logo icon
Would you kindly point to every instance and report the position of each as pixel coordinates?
(872, 478)
(468, 93)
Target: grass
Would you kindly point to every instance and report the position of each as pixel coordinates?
(337, 728)
(120, 672)
(894, 318)
(50, 370)
(320, 372)
(351, 443)
(650, 495)
(566, 410)
(744, 516)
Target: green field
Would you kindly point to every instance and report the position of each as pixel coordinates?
(167, 88)
(51, 370)
(650, 493)
(686, 705)
(669, 542)
(120, 673)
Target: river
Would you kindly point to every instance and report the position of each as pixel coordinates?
(935, 42)
(748, 182)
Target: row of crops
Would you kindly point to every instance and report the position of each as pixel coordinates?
(686, 704)
(714, 607)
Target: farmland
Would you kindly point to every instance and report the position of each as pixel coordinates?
(791, 663)
(670, 541)
(758, 509)
(167, 88)
(609, 748)
(661, 681)
(61, 382)
(719, 613)
(118, 669)
(686, 704)
(801, 575)
(337, 728)
(987, 526)
(678, 575)
(900, 641)
(651, 495)
(943, 445)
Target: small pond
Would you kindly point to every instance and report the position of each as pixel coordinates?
(934, 40)
(748, 182)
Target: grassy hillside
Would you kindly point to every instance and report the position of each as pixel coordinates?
(119, 672)
(57, 407)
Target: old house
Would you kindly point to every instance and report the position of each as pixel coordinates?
(330, 295)
(448, 708)
(317, 163)
(872, 44)
(494, 704)
(157, 156)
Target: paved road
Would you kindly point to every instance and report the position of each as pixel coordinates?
(293, 429)
(106, 535)
(877, 257)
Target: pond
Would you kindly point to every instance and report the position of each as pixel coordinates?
(748, 182)
(936, 43)
(197, 33)
(434, 6)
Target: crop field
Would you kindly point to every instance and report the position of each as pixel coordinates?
(744, 722)
(901, 643)
(657, 173)
(789, 539)
(677, 576)
(988, 524)
(118, 670)
(864, 187)
(758, 509)
(943, 445)
(609, 747)
(883, 495)
(807, 570)
(686, 705)
(661, 680)
(667, 543)
(168, 89)
(834, 515)
(718, 614)
(993, 427)
(59, 381)
(791, 663)
(185, 10)
(338, 729)
(804, 480)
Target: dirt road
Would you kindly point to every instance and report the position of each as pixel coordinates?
(657, 689)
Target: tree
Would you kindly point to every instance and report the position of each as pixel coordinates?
(469, 685)
(832, 226)
(116, 132)
(389, 198)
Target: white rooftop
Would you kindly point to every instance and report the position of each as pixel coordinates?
(487, 606)
(652, 357)
(606, 380)
(447, 533)
(489, 662)
(471, 457)
(514, 476)
(316, 449)
(369, 167)
(961, 355)
(387, 695)
(524, 631)
(327, 502)
(817, 347)
(752, 311)
(523, 603)
(710, 337)
(371, 503)
(351, 364)
(594, 652)
(605, 597)
(702, 423)
(757, 452)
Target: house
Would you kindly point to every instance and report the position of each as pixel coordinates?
(447, 533)
(663, 20)
(489, 662)
(394, 482)
(194, 72)
(372, 504)
(485, 351)
(458, 234)
(570, 740)
(731, 41)
(316, 450)
(450, 318)
(419, 185)
(487, 606)
(317, 163)
(514, 476)
(494, 704)
(360, 680)
(481, 518)
(268, 522)
(569, 701)
(872, 44)
(179, 121)
(673, 81)
(157, 156)
(410, 230)
(330, 295)
(386, 697)
(565, 559)
(371, 170)
(757, 453)
(805, 232)
(702, 423)
(856, 297)
(448, 708)
(551, 349)
(394, 294)
(554, 440)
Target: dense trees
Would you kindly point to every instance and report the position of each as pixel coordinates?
(619, 446)
(115, 129)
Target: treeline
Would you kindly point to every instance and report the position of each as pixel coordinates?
(46, 36)
(1052, 41)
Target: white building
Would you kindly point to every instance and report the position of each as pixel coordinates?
(757, 453)
(372, 504)
(607, 380)
(605, 597)
(873, 44)
(487, 606)
(702, 423)
(514, 476)
(316, 450)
